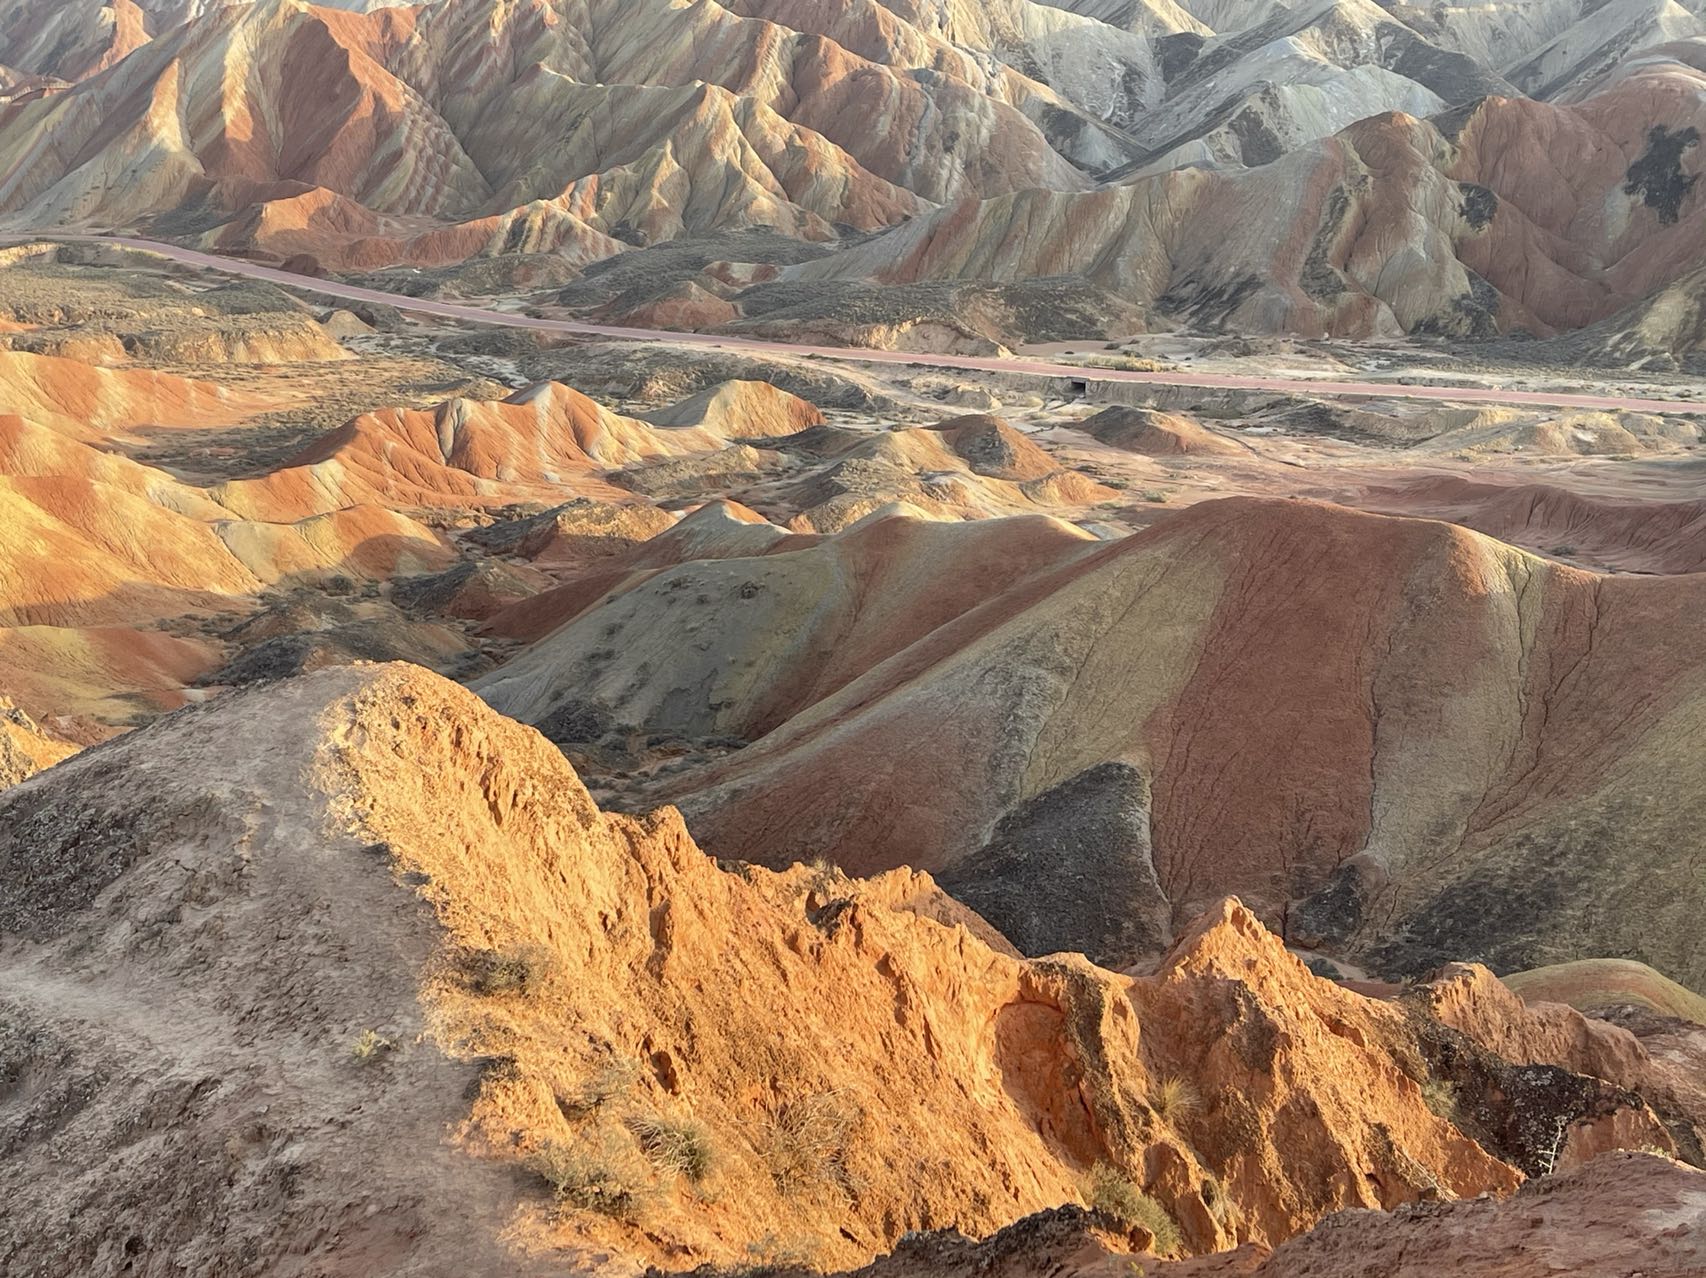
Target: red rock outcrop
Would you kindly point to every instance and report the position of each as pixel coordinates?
(1344, 168)
(541, 443)
(25, 747)
(432, 134)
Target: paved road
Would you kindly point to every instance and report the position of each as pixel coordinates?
(847, 355)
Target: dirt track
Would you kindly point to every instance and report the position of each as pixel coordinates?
(1206, 381)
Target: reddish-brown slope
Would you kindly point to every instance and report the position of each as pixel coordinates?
(810, 616)
(1621, 535)
(717, 530)
(1392, 735)
(86, 402)
(548, 440)
(1156, 434)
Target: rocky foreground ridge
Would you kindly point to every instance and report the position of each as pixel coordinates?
(349, 972)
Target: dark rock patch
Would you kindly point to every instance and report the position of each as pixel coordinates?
(1472, 316)
(1071, 870)
(1257, 142)
(1657, 177)
(1321, 279)
(1479, 205)
(1175, 53)
(578, 721)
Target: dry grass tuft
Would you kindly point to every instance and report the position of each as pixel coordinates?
(519, 969)
(825, 876)
(805, 1141)
(678, 1147)
(1215, 1198)
(594, 1173)
(776, 1254)
(1440, 1097)
(599, 1088)
(1173, 1099)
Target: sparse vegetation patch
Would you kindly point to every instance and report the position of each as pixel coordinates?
(599, 1088)
(370, 1045)
(594, 1174)
(1118, 1197)
(517, 969)
(1440, 1096)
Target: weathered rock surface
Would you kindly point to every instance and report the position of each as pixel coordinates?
(1593, 1223)
(573, 126)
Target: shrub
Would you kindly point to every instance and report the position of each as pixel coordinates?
(592, 1175)
(1173, 1098)
(806, 1140)
(1117, 1197)
(518, 969)
(1440, 1097)
(370, 1045)
(1155, 495)
(680, 1147)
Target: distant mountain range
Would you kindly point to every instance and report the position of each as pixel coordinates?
(1337, 167)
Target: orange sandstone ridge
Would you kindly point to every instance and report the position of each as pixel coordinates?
(393, 977)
